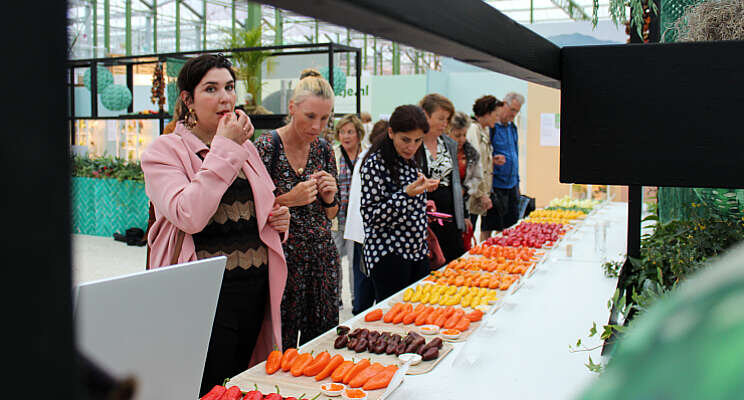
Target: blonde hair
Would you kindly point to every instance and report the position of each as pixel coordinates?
(310, 72)
(312, 86)
(308, 87)
(349, 119)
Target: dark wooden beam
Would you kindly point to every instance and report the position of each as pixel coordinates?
(470, 31)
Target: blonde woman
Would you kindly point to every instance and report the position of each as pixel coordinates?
(349, 133)
(303, 169)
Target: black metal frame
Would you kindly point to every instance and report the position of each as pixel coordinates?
(260, 121)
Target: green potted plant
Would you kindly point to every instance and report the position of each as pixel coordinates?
(248, 66)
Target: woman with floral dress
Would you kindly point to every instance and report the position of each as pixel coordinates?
(303, 169)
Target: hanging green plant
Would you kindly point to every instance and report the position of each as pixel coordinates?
(339, 79)
(104, 78)
(116, 97)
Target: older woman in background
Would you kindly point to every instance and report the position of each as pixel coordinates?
(439, 162)
(468, 163)
(349, 133)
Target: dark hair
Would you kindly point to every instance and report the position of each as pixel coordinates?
(405, 118)
(378, 130)
(485, 105)
(193, 72)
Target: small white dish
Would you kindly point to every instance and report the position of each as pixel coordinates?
(451, 335)
(326, 389)
(415, 358)
(429, 329)
(347, 397)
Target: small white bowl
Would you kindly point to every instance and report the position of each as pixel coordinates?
(429, 329)
(415, 358)
(452, 336)
(355, 398)
(325, 388)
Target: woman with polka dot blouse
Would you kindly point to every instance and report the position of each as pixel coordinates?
(393, 205)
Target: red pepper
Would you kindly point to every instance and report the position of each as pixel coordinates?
(215, 393)
(233, 393)
(274, 396)
(253, 395)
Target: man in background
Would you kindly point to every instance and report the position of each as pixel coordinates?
(504, 140)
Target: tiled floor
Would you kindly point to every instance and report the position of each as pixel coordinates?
(96, 257)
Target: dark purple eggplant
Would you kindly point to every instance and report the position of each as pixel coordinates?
(341, 342)
(390, 349)
(430, 354)
(361, 345)
(342, 330)
(400, 349)
(355, 333)
(352, 343)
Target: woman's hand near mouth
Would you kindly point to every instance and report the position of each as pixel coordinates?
(236, 128)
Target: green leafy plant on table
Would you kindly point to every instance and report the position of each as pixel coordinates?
(106, 167)
(669, 254)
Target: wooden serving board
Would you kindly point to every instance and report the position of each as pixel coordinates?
(325, 343)
(288, 384)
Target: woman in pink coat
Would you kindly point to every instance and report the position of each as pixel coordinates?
(213, 196)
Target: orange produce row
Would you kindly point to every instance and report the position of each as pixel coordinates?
(502, 253)
(443, 317)
(364, 374)
(475, 279)
(491, 265)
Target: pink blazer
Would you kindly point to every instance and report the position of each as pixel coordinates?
(186, 192)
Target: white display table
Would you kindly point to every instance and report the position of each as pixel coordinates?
(521, 351)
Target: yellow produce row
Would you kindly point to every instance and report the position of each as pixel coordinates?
(444, 295)
(554, 216)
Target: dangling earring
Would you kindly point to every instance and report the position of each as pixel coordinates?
(190, 120)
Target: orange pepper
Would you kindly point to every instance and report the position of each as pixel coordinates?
(452, 321)
(463, 324)
(355, 370)
(382, 379)
(433, 316)
(302, 361)
(475, 316)
(388, 318)
(288, 358)
(399, 316)
(374, 315)
(411, 316)
(273, 362)
(421, 318)
(366, 375)
(317, 365)
(339, 373)
(330, 367)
